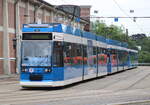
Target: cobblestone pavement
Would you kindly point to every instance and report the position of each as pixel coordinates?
(125, 87)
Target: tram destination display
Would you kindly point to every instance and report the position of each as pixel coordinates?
(37, 36)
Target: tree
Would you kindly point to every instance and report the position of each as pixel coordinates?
(112, 31)
(144, 54)
(118, 33)
(144, 57)
(99, 28)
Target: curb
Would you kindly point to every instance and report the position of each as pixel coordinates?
(130, 102)
(9, 76)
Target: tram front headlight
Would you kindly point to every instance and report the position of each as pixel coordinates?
(47, 70)
(31, 70)
(24, 70)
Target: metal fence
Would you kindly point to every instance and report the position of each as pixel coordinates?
(143, 64)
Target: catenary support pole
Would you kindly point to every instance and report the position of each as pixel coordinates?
(6, 63)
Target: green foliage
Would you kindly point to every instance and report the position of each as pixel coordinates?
(118, 33)
(112, 32)
(144, 57)
(144, 54)
(99, 28)
(132, 44)
(144, 43)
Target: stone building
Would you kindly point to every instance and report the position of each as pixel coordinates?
(85, 14)
(85, 11)
(15, 13)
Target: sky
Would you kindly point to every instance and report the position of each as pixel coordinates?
(117, 8)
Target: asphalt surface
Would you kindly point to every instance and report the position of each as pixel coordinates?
(138, 103)
(131, 87)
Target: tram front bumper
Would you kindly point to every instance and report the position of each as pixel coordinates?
(41, 83)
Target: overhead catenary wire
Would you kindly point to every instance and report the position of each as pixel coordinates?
(119, 17)
(120, 8)
(128, 15)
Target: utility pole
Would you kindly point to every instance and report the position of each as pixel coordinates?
(127, 35)
(6, 53)
(18, 35)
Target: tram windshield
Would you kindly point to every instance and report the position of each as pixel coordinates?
(36, 53)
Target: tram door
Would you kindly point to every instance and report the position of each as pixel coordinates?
(102, 61)
(114, 61)
(120, 60)
(73, 67)
(90, 70)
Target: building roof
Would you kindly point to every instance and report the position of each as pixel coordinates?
(85, 6)
(54, 8)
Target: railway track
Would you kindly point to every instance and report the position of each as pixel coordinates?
(100, 89)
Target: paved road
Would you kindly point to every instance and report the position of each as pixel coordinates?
(129, 86)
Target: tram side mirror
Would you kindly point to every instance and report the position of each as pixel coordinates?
(14, 42)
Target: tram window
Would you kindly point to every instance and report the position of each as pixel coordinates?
(125, 57)
(57, 57)
(72, 54)
(94, 50)
(113, 57)
(85, 51)
(95, 55)
(76, 54)
(132, 58)
(104, 50)
(79, 54)
(98, 50)
(121, 57)
(102, 56)
(90, 59)
(85, 54)
(67, 54)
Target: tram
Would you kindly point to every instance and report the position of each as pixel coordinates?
(54, 55)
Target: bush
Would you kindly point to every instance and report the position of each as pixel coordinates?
(144, 57)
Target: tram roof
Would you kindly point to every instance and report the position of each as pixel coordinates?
(58, 27)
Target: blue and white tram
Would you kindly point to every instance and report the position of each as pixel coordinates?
(55, 55)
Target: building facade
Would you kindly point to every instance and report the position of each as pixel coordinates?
(85, 14)
(85, 11)
(15, 13)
